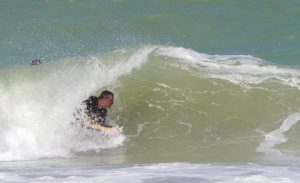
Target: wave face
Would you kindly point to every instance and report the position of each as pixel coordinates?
(175, 105)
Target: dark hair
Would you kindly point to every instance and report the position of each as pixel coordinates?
(105, 94)
(36, 62)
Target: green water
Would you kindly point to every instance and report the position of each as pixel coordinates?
(184, 115)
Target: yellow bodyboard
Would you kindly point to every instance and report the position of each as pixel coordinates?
(105, 128)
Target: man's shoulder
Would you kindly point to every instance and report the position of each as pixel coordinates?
(91, 104)
(91, 99)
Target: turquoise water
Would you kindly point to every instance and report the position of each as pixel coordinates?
(206, 91)
(50, 30)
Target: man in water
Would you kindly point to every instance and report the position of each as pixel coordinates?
(96, 109)
(36, 62)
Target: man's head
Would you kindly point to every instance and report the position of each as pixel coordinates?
(36, 62)
(106, 99)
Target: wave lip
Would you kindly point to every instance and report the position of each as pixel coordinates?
(234, 68)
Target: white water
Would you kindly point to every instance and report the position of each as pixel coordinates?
(164, 172)
(36, 106)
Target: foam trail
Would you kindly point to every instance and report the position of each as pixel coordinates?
(277, 136)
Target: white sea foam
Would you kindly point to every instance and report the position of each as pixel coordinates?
(277, 137)
(164, 172)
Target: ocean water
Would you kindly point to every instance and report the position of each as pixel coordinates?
(206, 91)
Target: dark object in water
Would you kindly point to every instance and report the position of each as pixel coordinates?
(36, 62)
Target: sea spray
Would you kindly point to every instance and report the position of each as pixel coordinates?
(37, 105)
